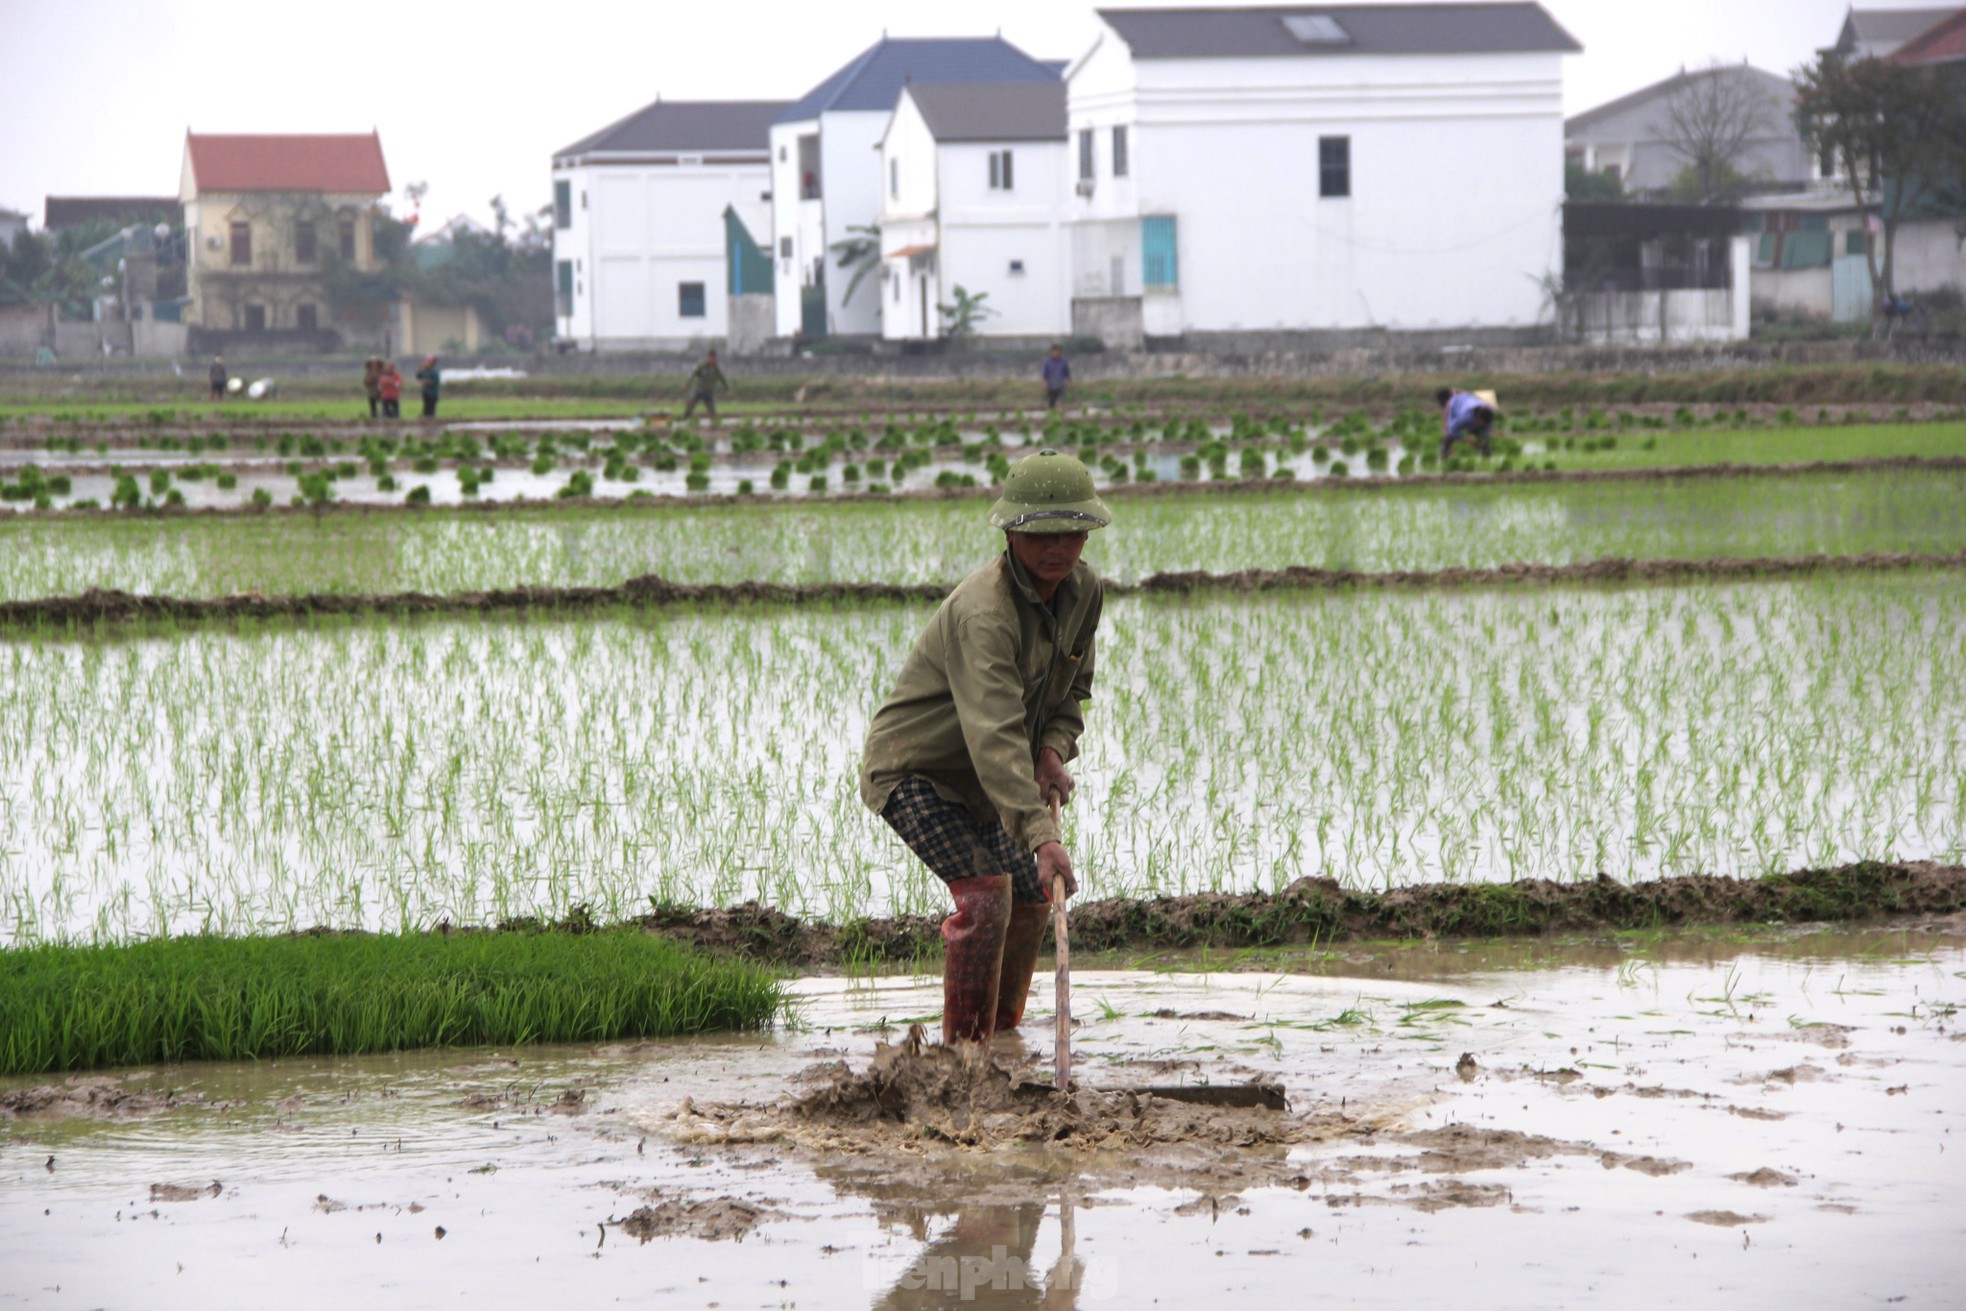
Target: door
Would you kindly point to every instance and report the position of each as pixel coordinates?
(1849, 288)
(812, 311)
(922, 283)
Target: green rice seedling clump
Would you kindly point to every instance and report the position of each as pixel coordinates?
(211, 998)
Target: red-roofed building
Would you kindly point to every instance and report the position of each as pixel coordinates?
(267, 218)
(1942, 43)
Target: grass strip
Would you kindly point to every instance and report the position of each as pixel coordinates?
(1322, 910)
(211, 998)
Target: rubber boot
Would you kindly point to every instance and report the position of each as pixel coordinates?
(973, 941)
(1028, 921)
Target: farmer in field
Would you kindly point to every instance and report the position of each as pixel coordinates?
(965, 754)
(1057, 376)
(703, 384)
(1464, 416)
(432, 379)
(218, 377)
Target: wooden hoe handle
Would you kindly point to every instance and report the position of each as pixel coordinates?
(1064, 972)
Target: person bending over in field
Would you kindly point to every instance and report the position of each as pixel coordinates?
(1464, 417)
(970, 746)
(703, 384)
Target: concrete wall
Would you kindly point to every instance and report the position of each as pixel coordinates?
(1792, 293)
(752, 323)
(25, 329)
(1929, 256)
(1114, 320)
(1639, 317)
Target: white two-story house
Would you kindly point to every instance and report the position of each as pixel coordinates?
(1339, 167)
(656, 221)
(826, 185)
(974, 197)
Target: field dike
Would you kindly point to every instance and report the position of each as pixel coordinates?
(1321, 910)
(98, 606)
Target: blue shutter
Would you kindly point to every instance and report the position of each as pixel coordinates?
(1157, 263)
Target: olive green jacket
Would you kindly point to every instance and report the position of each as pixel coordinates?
(992, 680)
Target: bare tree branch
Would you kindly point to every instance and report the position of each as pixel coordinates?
(1712, 117)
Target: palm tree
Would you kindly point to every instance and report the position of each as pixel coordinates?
(860, 252)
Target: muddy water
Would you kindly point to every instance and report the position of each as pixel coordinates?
(1631, 1122)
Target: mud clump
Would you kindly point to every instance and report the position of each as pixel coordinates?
(963, 1096)
(714, 1219)
(184, 1192)
(95, 1097)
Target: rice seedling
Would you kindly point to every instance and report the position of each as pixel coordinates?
(389, 775)
(211, 998)
(933, 541)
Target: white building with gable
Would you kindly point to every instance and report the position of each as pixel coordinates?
(974, 197)
(825, 181)
(1241, 171)
(657, 222)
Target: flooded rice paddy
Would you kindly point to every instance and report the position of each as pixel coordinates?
(938, 541)
(370, 774)
(1628, 1122)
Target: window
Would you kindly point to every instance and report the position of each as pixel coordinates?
(563, 288)
(1085, 155)
(1854, 243)
(1158, 268)
(1120, 164)
(242, 245)
(809, 181)
(689, 299)
(785, 247)
(348, 237)
(304, 252)
(1017, 267)
(894, 179)
(1001, 177)
(563, 204)
(255, 318)
(1334, 166)
(307, 318)
(1317, 30)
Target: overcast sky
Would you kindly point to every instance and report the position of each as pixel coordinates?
(95, 95)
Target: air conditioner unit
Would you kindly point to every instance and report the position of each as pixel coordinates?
(1085, 186)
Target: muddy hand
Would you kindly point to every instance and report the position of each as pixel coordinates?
(1052, 861)
(1053, 778)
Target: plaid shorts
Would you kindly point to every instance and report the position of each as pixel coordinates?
(953, 844)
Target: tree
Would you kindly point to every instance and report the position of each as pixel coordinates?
(1710, 119)
(964, 312)
(1579, 183)
(860, 252)
(1897, 136)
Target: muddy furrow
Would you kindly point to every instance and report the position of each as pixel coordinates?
(651, 591)
(1317, 910)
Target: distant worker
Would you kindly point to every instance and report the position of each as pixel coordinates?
(389, 388)
(973, 741)
(1057, 375)
(372, 384)
(1465, 416)
(219, 377)
(703, 384)
(432, 379)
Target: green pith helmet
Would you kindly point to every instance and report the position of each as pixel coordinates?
(1049, 493)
